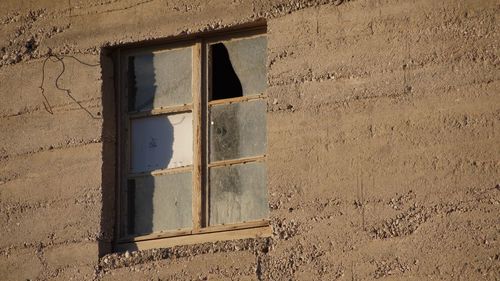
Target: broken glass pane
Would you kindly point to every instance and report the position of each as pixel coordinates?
(159, 79)
(238, 193)
(159, 203)
(239, 67)
(237, 130)
(160, 142)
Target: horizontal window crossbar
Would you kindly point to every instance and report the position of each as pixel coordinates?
(163, 110)
(237, 99)
(244, 160)
(162, 172)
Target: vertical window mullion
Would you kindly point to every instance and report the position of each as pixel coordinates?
(197, 134)
(207, 87)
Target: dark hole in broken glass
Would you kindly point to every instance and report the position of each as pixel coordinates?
(225, 82)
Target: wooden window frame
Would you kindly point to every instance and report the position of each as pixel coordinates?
(201, 91)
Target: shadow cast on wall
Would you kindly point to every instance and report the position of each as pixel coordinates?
(163, 129)
(138, 202)
(109, 153)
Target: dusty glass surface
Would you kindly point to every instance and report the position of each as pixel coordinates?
(160, 142)
(238, 193)
(160, 79)
(246, 67)
(237, 130)
(160, 203)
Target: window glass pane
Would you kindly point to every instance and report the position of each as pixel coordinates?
(160, 142)
(238, 193)
(160, 79)
(159, 203)
(237, 130)
(239, 67)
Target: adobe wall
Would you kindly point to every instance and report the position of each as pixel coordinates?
(383, 123)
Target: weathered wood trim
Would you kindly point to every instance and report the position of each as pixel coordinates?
(207, 95)
(258, 158)
(162, 110)
(233, 226)
(159, 172)
(156, 235)
(185, 231)
(223, 235)
(237, 99)
(197, 139)
(200, 105)
(238, 35)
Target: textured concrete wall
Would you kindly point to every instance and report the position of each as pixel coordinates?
(383, 124)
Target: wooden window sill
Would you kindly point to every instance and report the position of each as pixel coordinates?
(255, 229)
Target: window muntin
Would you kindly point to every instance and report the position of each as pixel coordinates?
(180, 174)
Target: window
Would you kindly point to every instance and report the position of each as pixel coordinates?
(193, 142)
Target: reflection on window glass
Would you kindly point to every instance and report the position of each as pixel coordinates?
(239, 67)
(237, 130)
(161, 142)
(160, 79)
(238, 193)
(159, 203)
